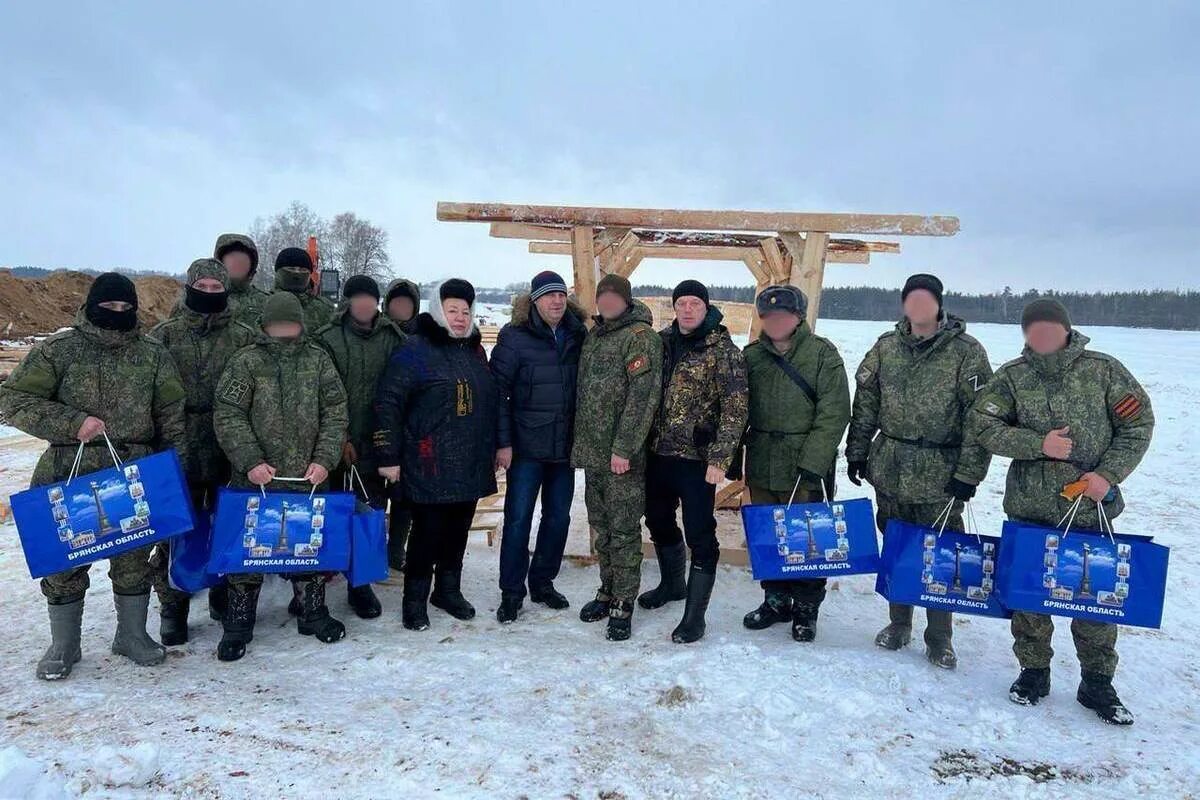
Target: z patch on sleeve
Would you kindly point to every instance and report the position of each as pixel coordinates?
(1128, 407)
(637, 365)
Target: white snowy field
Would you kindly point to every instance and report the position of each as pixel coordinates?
(548, 708)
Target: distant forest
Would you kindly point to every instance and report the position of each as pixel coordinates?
(1173, 310)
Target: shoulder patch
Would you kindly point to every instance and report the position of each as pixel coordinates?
(991, 408)
(1128, 407)
(235, 391)
(637, 365)
(976, 382)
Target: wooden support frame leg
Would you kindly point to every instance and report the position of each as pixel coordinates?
(583, 259)
(808, 267)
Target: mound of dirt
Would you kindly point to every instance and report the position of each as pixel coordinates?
(36, 306)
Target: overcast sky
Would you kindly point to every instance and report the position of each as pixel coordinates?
(1062, 135)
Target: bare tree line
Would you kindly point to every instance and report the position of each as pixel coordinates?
(348, 243)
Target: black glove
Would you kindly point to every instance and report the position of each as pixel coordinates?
(856, 471)
(811, 477)
(960, 490)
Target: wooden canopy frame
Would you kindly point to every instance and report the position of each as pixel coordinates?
(777, 247)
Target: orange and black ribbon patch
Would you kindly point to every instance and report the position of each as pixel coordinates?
(1128, 407)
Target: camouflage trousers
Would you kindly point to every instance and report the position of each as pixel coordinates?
(803, 590)
(1095, 642)
(129, 572)
(615, 504)
(939, 625)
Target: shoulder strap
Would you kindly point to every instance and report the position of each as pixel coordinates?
(794, 374)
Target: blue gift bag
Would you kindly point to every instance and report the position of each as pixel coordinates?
(811, 540)
(368, 546)
(188, 570)
(1103, 577)
(946, 570)
(256, 531)
(90, 517)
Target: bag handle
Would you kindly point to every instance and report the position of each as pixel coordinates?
(262, 486)
(1069, 517)
(112, 451)
(1106, 525)
(350, 478)
(799, 476)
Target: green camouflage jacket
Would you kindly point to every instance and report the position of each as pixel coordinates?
(201, 345)
(787, 432)
(704, 398)
(916, 395)
(318, 312)
(360, 356)
(280, 403)
(245, 299)
(1108, 413)
(124, 378)
(620, 374)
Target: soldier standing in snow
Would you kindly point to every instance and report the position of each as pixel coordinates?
(280, 411)
(914, 390)
(799, 408)
(692, 444)
(620, 374)
(1064, 413)
(201, 335)
(101, 376)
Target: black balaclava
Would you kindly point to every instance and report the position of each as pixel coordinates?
(206, 302)
(110, 286)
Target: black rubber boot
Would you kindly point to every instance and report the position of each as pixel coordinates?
(894, 636)
(699, 590)
(364, 601)
(173, 622)
(1030, 687)
(131, 639)
(315, 619)
(549, 596)
(447, 595)
(218, 600)
(596, 610)
(620, 620)
(510, 608)
(804, 621)
(66, 622)
(1097, 693)
(775, 608)
(241, 612)
(415, 609)
(672, 567)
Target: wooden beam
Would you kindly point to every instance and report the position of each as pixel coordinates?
(762, 279)
(621, 253)
(691, 253)
(773, 257)
(630, 265)
(808, 268)
(514, 230)
(582, 216)
(583, 259)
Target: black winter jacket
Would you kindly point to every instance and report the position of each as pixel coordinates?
(536, 381)
(436, 416)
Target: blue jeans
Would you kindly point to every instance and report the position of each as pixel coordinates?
(556, 482)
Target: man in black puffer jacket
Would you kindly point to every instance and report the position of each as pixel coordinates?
(535, 363)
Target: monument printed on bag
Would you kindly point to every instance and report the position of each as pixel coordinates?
(101, 508)
(1087, 571)
(288, 526)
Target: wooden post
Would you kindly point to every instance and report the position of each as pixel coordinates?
(808, 267)
(583, 258)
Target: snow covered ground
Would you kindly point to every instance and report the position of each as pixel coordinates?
(548, 708)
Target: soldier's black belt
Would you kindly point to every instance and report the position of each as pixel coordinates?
(205, 409)
(922, 442)
(780, 434)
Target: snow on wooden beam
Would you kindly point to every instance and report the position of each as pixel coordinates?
(698, 252)
(899, 224)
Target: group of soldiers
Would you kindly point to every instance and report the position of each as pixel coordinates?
(261, 389)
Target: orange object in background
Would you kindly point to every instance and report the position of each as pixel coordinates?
(1071, 491)
(315, 277)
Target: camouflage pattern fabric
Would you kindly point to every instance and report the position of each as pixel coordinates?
(1095, 643)
(705, 398)
(245, 299)
(615, 504)
(318, 312)
(916, 394)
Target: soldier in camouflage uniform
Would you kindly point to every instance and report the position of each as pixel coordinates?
(793, 435)
(914, 390)
(360, 340)
(692, 444)
(201, 335)
(293, 274)
(1064, 413)
(101, 376)
(620, 373)
(280, 412)
(239, 254)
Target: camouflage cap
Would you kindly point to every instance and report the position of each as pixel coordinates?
(231, 242)
(208, 268)
(282, 307)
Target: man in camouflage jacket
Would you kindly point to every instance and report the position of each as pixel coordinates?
(361, 340)
(914, 390)
(239, 254)
(293, 274)
(201, 335)
(100, 378)
(696, 432)
(620, 369)
(1064, 413)
(793, 436)
(280, 412)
